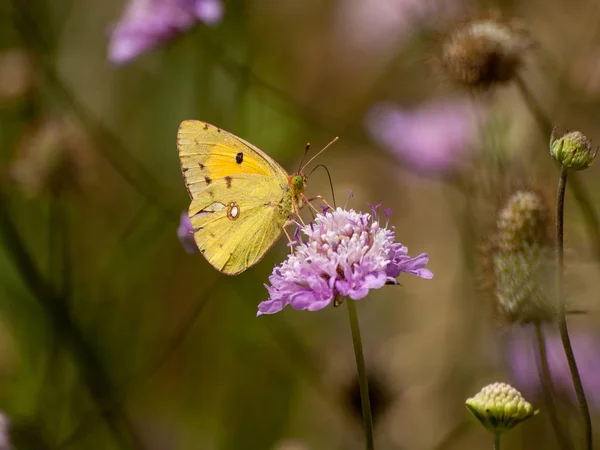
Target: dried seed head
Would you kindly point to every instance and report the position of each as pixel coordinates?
(52, 155)
(482, 53)
(520, 263)
(17, 75)
(573, 150)
(523, 221)
(499, 407)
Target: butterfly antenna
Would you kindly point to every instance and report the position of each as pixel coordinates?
(324, 148)
(330, 182)
(304, 156)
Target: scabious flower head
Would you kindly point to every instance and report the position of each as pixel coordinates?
(519, 260)
(434, 137)
(185, 234)
(147, 24)
(483, 52)
(346, 254)
(573, 150)
(499, 407)
(521, 359)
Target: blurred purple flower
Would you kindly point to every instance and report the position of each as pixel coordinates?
(146, 24)
(522, 359)
(346, 254)
(185, 234)
(4, 432)
(434, 137)
(379, 25)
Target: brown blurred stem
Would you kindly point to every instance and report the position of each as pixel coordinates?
(548, 388)
(579, 191)
(362, 375)
(562, 319)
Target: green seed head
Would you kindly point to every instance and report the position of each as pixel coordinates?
(573, 150)
(499, 407)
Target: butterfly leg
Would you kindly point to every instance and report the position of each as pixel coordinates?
(297, 210)
(291, 242)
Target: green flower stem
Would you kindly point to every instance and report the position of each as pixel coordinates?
(562, 319)
(362, 375)
(497, 440)
(547, 384)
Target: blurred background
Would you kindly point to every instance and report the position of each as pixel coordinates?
(113, 336)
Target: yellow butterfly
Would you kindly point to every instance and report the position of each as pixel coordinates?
(241, 197)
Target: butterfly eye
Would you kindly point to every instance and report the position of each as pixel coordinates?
(298, 181)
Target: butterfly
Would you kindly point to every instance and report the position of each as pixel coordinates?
(242, 199)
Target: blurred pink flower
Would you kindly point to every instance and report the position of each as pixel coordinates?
(185, 233)
(435, 137)
(146, 24)
(378, 25)
(523, 366)
(4, 432)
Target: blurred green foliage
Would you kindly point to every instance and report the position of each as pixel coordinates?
(112, 337)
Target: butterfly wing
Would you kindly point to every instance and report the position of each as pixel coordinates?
(237, 192)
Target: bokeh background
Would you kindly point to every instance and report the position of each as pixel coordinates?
(113, 337)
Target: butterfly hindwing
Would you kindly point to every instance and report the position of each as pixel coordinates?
(235, 190)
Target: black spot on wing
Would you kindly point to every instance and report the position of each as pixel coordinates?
(228, 181)
(206, 126)
(239, 158)
(201, 166)
(208, 180)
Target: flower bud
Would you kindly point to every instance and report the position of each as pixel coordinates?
(483, 52)
(573, 150)
(499, 407)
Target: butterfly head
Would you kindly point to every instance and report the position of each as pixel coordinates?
(297, 184)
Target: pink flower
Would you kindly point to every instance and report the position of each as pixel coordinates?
(434, 137)
(185, 234)
(346, 254)
(147, 24)
(586, 347)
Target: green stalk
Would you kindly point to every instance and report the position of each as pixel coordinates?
(497, 440)
(581, 194)
(362, 375)
(562, 318)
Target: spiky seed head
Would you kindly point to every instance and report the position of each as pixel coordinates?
(520, 263)
(523, 220)
(499, 407)
(482, 53)
(573, 150)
